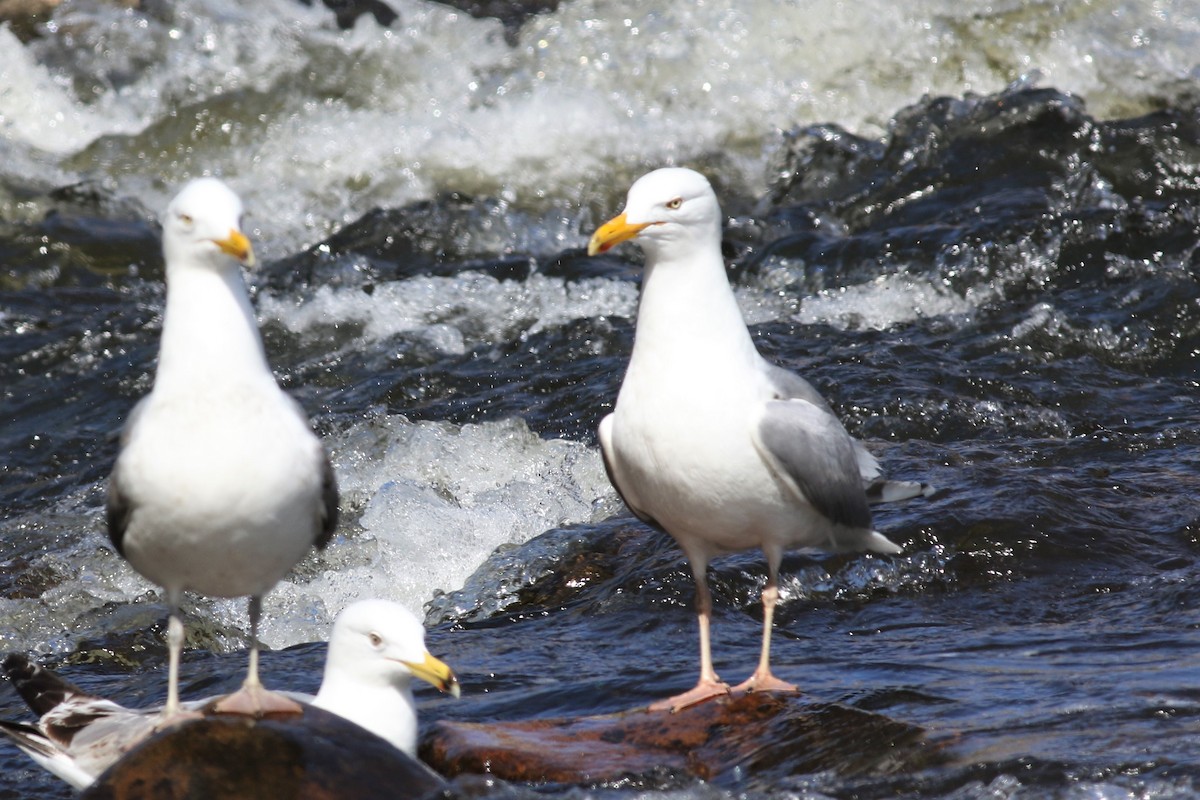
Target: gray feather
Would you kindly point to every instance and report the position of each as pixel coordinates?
(329, 503)
(810, 447)
(117, 512)
(119, 508)
(611, 471)
(790, 386)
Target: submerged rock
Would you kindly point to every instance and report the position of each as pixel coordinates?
(750, 732)
(313, 756)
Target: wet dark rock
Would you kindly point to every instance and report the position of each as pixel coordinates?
(87, 237)
(748, 732)
(450, 234)
(511, 13)
(347, 12)
(313, 756)
(577, 265)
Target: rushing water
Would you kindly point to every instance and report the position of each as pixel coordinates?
(973, 226)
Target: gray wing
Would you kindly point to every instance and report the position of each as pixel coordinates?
(610, 468)
(809, 447)
(327, 511)
(46, 753)
(789, 385)
(329, 503)
(28, 738)
(79, 734)
(118, 507)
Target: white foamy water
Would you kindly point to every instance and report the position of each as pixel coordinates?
(427, 502)
(316, 126)
(881, 303)
(455, 312)
(423, 504)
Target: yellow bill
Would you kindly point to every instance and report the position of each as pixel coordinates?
(237, 245)
(612, 233)
(436, 672)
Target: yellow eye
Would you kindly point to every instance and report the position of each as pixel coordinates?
(674, 204)
(375, 639)
(186, 219)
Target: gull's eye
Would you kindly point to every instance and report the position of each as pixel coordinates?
(674, 204)
(375, 639)
(186, 219)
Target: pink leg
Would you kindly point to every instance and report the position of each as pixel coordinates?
(709, 684)
(173, 711)
(253, 699)
(762, 680)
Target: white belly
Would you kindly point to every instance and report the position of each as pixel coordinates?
(691, 464)
(221, 509)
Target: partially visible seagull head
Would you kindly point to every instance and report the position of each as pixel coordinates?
(203, 227)
(670, 206)
(375, 650)
(380, 643)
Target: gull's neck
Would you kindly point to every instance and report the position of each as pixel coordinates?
(209, 331)
(388, 711)
(688, 307)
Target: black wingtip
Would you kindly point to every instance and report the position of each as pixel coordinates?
(117, 513)
(40, 688)
(27, 736)
(329, 502)
(17, 667)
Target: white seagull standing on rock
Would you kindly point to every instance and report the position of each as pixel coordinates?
(375, 650)
(221, 486)
(709, 441)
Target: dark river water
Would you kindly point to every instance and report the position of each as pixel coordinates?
(996, 286)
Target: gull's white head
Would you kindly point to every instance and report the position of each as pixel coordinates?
(380, 643)
(375, 650)
(668, 207)
(203, 227)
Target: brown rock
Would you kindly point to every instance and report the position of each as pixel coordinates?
(314, 756)
(764, 731)
(15, 9)
(25, 15)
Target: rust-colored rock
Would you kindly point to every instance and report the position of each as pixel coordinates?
(313, 756)
(776, 732)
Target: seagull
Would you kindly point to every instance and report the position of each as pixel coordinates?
(375, 649)
(220, 486)
(708, 440)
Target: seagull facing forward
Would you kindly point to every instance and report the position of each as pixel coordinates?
(710, 442)
(375, 650)
(220, 486)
